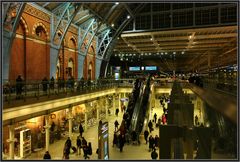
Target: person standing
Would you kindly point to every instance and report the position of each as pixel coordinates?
(81, 130)
(79, 145)
(154, 154)
(116, 125)
(47, 155)
(19, 86)
(155, 117)
(146, 134)
(52, 83)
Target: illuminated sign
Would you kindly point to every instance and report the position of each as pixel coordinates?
(150, 68)
(134, 68)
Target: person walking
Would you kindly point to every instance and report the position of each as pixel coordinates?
(66, 151)
(121, 142)
(46, 155)
(117, 111)
(116, 125)
(85, 151)
(69, 142)
(151, 143)
(84, 142)
(81, 130)
(154, 154)
(150, 126)
(155, 117)
(156, 141)
(89, 148)
(115, 138)
(146, 134)
(79, 145)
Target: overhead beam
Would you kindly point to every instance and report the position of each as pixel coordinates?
(209, 29)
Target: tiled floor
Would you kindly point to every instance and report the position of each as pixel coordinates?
(130, 152)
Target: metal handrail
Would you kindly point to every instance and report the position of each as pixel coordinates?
(38, 89)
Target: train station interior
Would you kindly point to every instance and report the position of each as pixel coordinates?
(120, 80)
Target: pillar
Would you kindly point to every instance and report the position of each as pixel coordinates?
(85, 122)
(47, 130)
(114, 103)
(11, 141)
(106, 107)
(70, 122)
(119, 101)
(97, 114)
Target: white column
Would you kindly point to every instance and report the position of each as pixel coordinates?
(114, 103)
(97, 113)
(119, 102)
(106, 106)
(47, 130)
(85, 123)
(11, 141)
(70, 121)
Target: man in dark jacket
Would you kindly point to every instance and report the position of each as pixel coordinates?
(81, 129)
(116, 125)
(69, 142)
(121, 142)
(154, 154)
(47, 155)
(151, 143)
(146, 134)
(150, 126)
(79, 145)
(155, 117)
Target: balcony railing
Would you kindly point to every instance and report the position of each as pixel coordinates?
(34, 90)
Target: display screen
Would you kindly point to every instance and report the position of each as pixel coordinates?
(150, 67)
(134, 68)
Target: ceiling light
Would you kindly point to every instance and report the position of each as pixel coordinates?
(157, 53)
(112, 25)
(116, 3)
(134, 54)
(141, 54)
(121, 59)
(127, 59)
(149, 54)
(128, 17)
(165, 53)
(183, 52)
(118, 38)
(151, 39)
(145, 54)
(161, 53)
(174, 53)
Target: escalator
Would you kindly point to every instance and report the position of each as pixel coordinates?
(140, 111)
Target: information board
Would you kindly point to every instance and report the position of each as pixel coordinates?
(103, 146)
